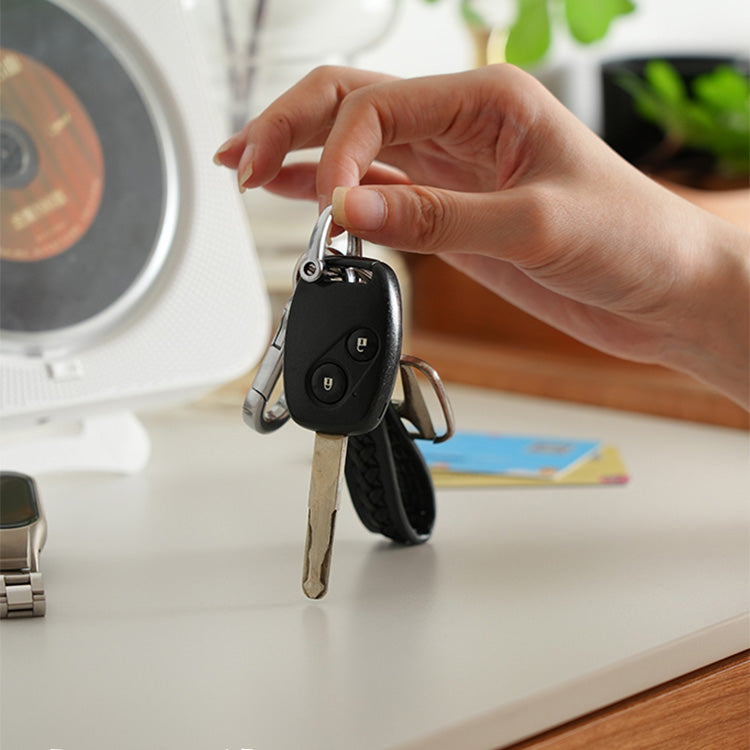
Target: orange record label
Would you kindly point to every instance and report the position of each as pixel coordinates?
(53, 167)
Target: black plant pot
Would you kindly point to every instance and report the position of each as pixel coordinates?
(640, 142)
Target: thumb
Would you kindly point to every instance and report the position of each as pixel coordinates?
(432, 220)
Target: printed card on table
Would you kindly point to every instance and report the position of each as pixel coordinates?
(525, 456)
(604, 467)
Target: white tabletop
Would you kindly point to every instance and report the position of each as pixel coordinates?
(176, 619)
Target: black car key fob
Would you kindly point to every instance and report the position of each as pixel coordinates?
(339, 347)
(343, 344)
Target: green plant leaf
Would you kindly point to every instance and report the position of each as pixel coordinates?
(715, 120)
(700, 128)
(589, 20)
(665, 81)
(724, 88)
(529, 37)
(645, 101)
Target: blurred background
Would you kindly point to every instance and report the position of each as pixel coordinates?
(424, 37)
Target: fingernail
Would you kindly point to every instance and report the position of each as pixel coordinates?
(245, 175)
(338, 200)
(358, 208)
(246, 172)
(222, 150)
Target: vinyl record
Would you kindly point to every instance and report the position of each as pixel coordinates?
(82, 177)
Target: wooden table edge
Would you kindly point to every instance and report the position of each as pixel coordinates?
(706, 708)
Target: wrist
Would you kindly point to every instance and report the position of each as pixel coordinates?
(711, 337)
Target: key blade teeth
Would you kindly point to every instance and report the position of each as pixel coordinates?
(326, 478)
(314, 589)
(315, 585)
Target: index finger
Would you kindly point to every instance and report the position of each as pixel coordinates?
(299, 118)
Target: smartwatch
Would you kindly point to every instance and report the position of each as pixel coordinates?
(23, 531)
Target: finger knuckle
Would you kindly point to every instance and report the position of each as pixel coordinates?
(358, 99)
(370, 104)
(540, 207)
(428, 219)
(329, 82)
(324, 74)
(545, 216)
(352, 103)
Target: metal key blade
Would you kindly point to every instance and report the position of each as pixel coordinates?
(329, 459)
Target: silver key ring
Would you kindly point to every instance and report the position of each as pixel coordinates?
(311, 265)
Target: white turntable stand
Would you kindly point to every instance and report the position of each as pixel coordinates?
(176, 619)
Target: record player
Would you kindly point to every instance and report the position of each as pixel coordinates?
(128, 276)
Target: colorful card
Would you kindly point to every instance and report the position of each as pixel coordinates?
(525, 456)
(604, 467)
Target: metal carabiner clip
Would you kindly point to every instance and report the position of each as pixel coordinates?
(255, 411)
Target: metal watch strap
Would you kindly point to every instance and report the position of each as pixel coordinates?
(22, 595)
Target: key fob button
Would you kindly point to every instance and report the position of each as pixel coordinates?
(328, 383)
(362, 345)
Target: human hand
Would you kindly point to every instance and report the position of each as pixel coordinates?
(488, 170)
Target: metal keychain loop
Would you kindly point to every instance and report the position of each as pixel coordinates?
(414, 409)
(312, 264)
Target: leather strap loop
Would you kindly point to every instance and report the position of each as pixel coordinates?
(389, 483)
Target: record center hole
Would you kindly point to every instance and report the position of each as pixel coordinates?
(19, 161)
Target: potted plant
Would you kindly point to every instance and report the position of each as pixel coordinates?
(686, 120)
(520, 31)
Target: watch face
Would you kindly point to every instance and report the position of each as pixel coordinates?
(18, 501)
